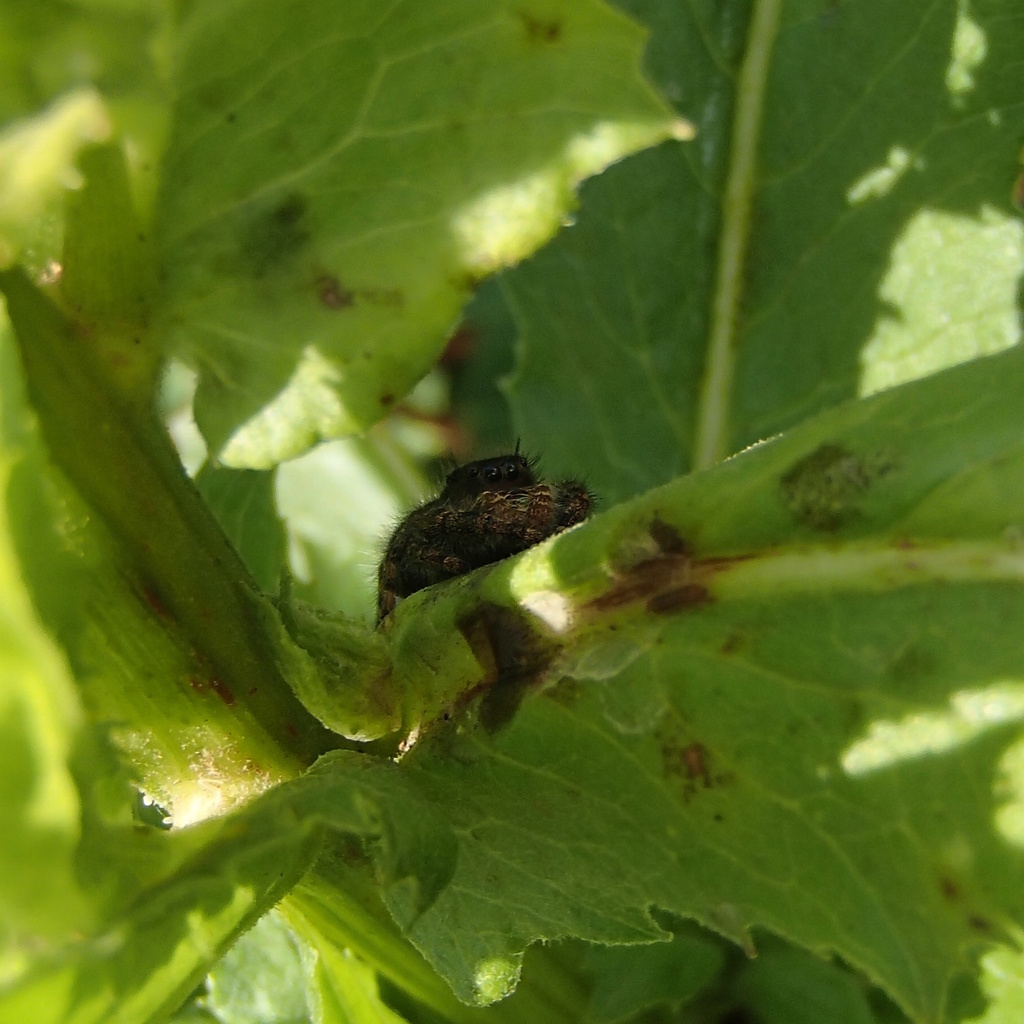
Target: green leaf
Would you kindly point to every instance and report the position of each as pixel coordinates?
(70, 74)
(36, 164)
(108, 282)
(605, 328)
(347, 990)
(765, 704)
(242, 500)
(486, 341)
(351, 934)
(341, 672)
(261, 979)
(344, 988)
(159, 948)
(789, 986)
(164, 628)
(335, 501)
(628, 979)
(842, 224)
(40, 724)
(1002, 979)
(781, 696)
(327, 204)
(51, 49)
(219, 878)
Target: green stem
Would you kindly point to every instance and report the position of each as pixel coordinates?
(174, 560)
(712, 443)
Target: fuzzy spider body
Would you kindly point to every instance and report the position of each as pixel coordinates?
(488, 510)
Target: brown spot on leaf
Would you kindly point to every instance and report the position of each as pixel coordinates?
(540, 29)
(668, 538)
(695, 759)
(567, 693)
(387, 399)
(332, 293)
(821, 490)
(693, 765)
(219, 687)
(669, 581)
(678, 598)
(638, 583)
(223, 691)
(667, 584)
(152, 597)
(711, 566)
(350, 851)
(733, 642)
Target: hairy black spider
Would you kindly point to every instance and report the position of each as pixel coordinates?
(488, 510)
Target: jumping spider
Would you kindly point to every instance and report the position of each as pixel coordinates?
(487, 511)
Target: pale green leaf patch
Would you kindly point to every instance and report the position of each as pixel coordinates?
(42, 719)
(37, 165)
(325, 213)
(951, 296)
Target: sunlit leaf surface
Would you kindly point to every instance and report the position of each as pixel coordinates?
(338, 177)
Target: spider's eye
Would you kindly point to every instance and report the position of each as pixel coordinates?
(473, 471)
(511, 470)
(492, 473)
